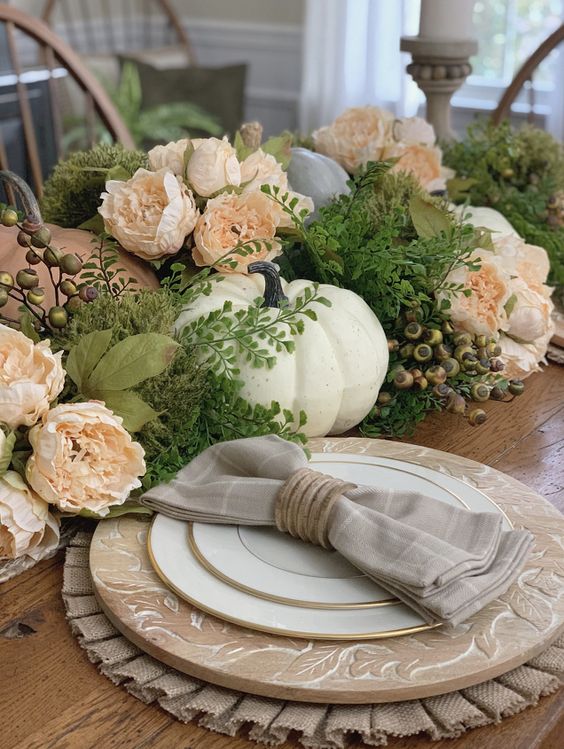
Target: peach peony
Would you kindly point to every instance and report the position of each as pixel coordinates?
(213, 166)
(483, 312)
(522, 359)
(413, 131)
(526, 261)
(423, 162)
(150, 215)
(357, 136)
(31, 377)
(229, 220)
(83, 458)
(26, 525)
(169, 157)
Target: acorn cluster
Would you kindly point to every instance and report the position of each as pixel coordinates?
(63, 267)
(454, 367)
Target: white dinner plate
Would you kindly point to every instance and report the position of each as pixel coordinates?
(267, 580)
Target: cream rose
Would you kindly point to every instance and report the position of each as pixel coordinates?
(213, 166)
(151, 214)
(526, 261)
(483, 312)
(423, 162)
(357, 136)
(414, 131)
(262, 168)
(522, 359)
(169, 157)
(530, 313)
(26, 525)
(83, 458)
(229, 220)
(304, 203)
(31, 377)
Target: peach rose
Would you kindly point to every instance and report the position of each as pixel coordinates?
(483, 312)
(527, 261)
(31, 377)
(229, 220)
(169, 157)
(83, 458)
(213, 166)
(413, 131)
(423, 162)
(357, 136)
(26, 525)
(151, 214)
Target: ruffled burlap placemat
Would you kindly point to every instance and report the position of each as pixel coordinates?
(319, 726)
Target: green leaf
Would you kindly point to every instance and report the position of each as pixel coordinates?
(118, 172)
(126, 508)
(6, 450)
(130, 406)
(509, 305)
(26, 326)
(85, 356)
(133, 360)
(242, 149)
(428, 220)
(458, 187)
(94, 224)
(280, 146)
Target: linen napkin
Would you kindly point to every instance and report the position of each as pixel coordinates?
(445, 562)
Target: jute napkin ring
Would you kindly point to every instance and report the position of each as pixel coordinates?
(304, 504)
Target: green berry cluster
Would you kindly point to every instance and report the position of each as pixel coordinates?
(453, 367)
(35, 238)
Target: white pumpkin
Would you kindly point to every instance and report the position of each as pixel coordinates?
(485, 217)
(339, 362)
(317, 176)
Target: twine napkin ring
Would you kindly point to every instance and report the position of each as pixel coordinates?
(304, 503)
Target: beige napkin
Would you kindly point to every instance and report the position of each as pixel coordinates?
(445, 562)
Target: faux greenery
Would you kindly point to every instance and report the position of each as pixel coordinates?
(394, 247)
(72, 192)
(517, 172)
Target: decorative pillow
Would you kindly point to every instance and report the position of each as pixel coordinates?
(219, 91)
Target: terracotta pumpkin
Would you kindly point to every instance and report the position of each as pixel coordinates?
(12, 258)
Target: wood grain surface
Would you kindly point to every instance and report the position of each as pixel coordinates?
(52, 697)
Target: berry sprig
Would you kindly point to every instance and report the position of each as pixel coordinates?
(62, 271)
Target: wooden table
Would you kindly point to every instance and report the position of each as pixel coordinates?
(53, 698)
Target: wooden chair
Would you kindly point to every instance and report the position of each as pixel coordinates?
(524, 76)
(117, 22)
(54, 61)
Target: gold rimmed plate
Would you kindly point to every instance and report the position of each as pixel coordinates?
(265, 580)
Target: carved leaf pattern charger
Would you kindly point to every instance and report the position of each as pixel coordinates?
(507, 633)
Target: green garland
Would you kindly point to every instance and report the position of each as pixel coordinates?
(519, 173)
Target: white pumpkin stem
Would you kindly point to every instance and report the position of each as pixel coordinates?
(273, 292)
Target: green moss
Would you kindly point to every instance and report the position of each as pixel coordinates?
(176, 394)
(72, 192)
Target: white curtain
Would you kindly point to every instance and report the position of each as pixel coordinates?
(352, 58)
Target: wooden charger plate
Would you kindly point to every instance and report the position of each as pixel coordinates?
(504, 635)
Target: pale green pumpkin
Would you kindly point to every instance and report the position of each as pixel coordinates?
(317, 176)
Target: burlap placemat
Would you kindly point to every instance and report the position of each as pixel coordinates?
(271, 721)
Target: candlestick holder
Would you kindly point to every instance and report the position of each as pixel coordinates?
(439, 68)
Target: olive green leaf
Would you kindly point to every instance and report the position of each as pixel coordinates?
(458, 187)
(115, 512)
(130, 406)
(95, 224)
(242, 149)
(509, 305)
(85, 356)
(7, 443)
(118, 172)
(280, 146)
(428, 220)
(26, 326)
(133, 360)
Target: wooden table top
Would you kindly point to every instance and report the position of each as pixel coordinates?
(52, 697)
